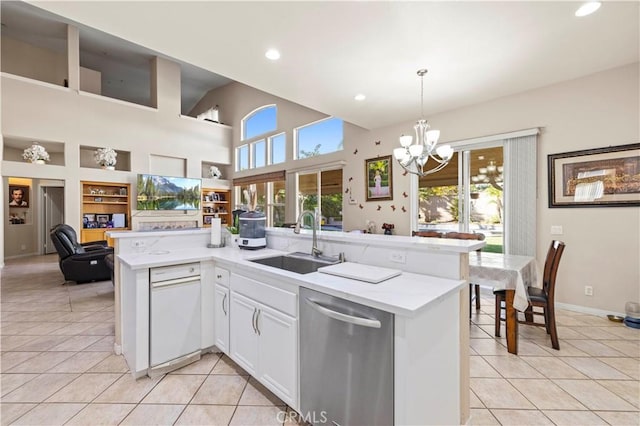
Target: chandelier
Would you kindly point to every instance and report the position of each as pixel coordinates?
(492, 174)
(413, 157)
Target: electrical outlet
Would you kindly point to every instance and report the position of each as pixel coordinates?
(23, 247)
(556, 230)
(352, 201)
(398, 257)
(137, 243)
(588, 290)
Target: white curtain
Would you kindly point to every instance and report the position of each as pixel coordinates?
(520, 177)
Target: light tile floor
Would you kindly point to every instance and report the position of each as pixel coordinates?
(58, 367)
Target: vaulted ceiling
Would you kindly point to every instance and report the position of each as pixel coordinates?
(475, 51)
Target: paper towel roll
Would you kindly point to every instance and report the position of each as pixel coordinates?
(216, 231)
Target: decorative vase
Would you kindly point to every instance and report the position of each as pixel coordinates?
(37, 162)
(387, 232)
(108, 167)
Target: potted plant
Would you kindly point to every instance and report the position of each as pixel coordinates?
(231, 236)
(36, 154)
(106, 158)
(215, 172)
(387, 228)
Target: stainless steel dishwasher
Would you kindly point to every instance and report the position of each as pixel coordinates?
(346, 362)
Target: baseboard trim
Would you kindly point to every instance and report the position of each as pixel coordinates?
(569, 307)
(18, 256)
(587, 310)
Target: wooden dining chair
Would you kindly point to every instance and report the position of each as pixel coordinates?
(473, 288)
(539, 297)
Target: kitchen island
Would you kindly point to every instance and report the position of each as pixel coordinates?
(430, 340)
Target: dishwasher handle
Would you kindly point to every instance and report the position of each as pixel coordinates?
(365, 322)
(176, 282)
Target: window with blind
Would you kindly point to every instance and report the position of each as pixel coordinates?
(270, 195)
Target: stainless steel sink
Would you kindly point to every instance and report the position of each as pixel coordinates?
(301, 263)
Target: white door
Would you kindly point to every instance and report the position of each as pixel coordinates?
(277, 354)
(221, 320)
(244, 338)
(53, 202)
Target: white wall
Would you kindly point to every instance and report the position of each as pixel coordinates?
(236, 100)
(599, 110)
(26, 60)
(34, 110)
(603, 244)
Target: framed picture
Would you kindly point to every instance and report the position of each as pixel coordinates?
(207, 220)
(14, 219)
(601, 177)
(102, 220)
(378, 178)
(88, 220)
(18, 196)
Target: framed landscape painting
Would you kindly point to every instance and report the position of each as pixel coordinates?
(378, 177)
(601, 177)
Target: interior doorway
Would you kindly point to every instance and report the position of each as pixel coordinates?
(52, 213)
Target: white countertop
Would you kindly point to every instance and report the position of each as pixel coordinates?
(380, 240)
(403, 295)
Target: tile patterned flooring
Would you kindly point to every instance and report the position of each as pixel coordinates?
(58, 367)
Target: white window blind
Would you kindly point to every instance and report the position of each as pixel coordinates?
(520, 176)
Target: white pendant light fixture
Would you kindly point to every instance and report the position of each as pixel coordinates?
(414, 156)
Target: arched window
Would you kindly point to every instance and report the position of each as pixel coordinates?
(261, 147)
(260, 121)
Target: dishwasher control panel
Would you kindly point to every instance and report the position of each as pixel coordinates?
(166, 273)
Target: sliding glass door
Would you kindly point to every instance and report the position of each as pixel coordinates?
(466, 196)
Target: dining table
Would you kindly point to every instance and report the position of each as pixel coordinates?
(512, 273)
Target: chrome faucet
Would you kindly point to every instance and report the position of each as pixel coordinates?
(315, 251)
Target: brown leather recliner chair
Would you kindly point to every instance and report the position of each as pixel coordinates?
(80, 262)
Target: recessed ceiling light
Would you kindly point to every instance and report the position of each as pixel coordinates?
(272, 54)
(588, 8)
(359, 97)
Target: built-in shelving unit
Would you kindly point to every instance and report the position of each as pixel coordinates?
(216, 203)
(105, 207)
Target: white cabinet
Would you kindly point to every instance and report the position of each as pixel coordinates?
(277, 352)
(244, 336)
(221, 309)
(208, 305)
(221, 321)
(264, 340)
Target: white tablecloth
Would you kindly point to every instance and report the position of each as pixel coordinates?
(505, 271)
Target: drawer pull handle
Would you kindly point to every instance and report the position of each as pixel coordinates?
(253, 320)
(257, 323)
(223, 308)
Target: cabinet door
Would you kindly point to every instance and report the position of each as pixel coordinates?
(221, 321)
(277, 353)
(208, 338)
(244, 339)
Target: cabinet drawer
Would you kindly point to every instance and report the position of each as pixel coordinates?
(222, 276)
(282, 300)
(164, 273)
